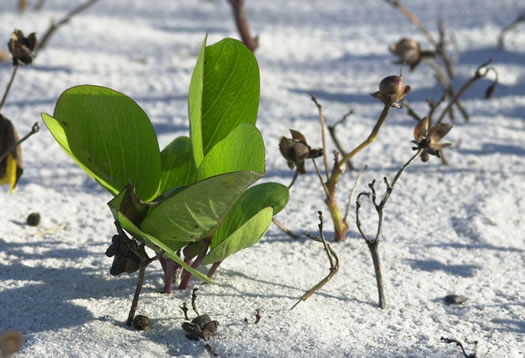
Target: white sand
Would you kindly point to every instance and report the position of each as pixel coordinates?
(456, 229)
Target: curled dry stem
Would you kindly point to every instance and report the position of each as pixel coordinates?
(460, 345)
(332, 258)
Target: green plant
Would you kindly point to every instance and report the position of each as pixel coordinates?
(194, 196)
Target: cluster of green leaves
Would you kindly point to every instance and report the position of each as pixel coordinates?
(198, 186)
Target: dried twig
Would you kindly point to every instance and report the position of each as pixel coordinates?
(257, 315)
(56, 25)
(34, 129)
(241, 20)
(352, 192)
(331, 130)
(481, 72)
(373, 243)
(332, 258)
(284, 229)
(8, 88)
(194, 301)
(414, 20)
(460, 345)
(501, 37)
(323, 134)
(185, 309)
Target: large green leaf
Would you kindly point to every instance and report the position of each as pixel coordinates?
(231, 90)
(251, 202)
(109, 136)
(246, 235)
(195, 105)
(194, 212)
(177, 165)
(149, 240)
(242, 149)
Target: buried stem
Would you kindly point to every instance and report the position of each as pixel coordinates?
(134, 303)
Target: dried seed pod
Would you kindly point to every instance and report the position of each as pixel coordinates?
(141, 322)
(408, 51)
(392, 89)
(10, 342)
(22, 47)
(33, 219)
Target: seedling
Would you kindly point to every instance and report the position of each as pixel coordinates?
(427, 140)
(193, 198)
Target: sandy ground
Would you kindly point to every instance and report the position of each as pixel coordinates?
(456, 229)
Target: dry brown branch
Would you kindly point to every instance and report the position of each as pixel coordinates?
(284, 229)
(56, 25)
(332, 258)
(414, 20)
(241, 21)
(501, 37)
(323, 134)
(331, 130)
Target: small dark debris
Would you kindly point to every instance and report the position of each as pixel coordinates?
(455, 299)
(201, 327)
(141, 323)
(33, 219)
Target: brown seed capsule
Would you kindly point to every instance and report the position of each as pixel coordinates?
(392, 89)
(408, 51)
(22, 47)
(141, 322)
(33, 219)
(10, 342)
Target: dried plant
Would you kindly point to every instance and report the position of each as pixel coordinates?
(241, 21)
(441, 58)
(507, 29)
(460, 345)
(332, 258)
(392, 90)
(427, 139)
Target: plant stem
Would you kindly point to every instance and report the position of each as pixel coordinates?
(134, 303)
(213, 269)
(241, 20)
(323, 134)
(56, 25)
(6, 92)
(369, 140)
(34, 130)
(186, 276)
(284, 228)
(373, 246)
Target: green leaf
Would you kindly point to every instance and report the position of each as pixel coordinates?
(177, 165)
(250, 204)
(231, 90)
(109, 136)
(194, 212)
(195, 106)
(242, 149)
(149, 240)
(246, 235)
